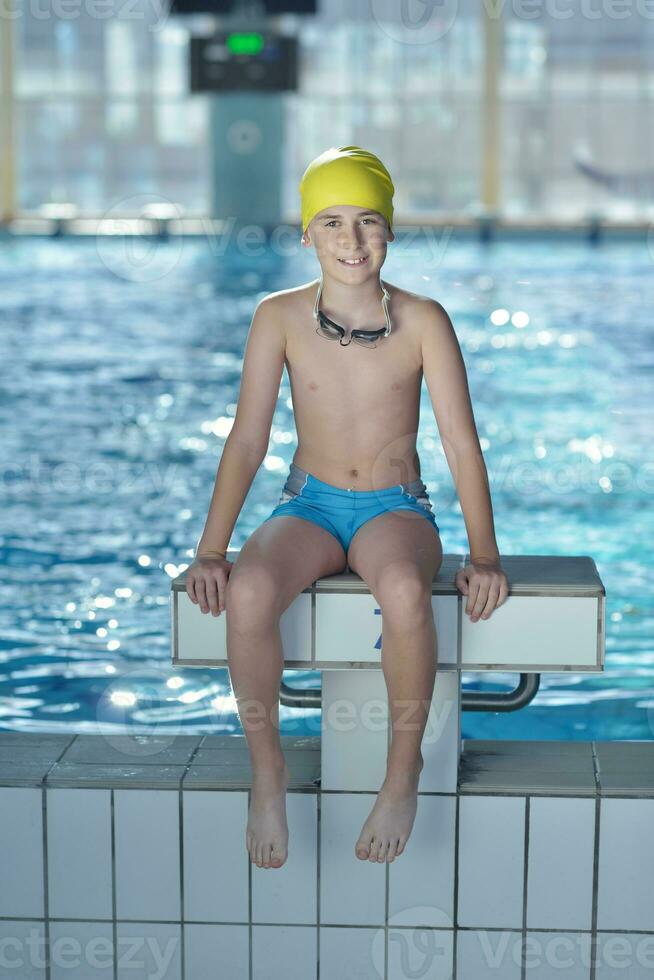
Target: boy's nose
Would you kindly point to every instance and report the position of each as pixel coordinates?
(350, 238)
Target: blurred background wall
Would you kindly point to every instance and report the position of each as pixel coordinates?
(548, 113)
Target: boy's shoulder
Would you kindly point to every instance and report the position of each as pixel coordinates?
(282, 299)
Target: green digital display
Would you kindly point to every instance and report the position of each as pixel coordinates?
(248, 42)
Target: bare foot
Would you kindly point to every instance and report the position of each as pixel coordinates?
(390, 821)
(266, 835)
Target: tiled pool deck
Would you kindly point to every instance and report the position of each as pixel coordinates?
(141, 840)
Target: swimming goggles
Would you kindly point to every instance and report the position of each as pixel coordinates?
(332, 331)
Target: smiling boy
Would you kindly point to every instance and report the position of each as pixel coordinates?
(356, 349)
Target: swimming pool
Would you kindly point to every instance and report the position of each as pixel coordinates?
(122, 366)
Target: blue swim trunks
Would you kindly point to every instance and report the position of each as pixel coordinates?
(343, 512)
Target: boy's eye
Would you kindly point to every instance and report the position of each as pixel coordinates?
(334, 221)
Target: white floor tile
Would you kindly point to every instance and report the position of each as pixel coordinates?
(21, 852)
(23, 949)
(487, 954)
(288, 952)
(215, 952)
(421, 879)
(629, 957)
(215, 858)
(146, 950)
(558, 955)
(351, 954)
(560, 878)
(626, 865)
(147, 854)
(81, 950)
(290, 894)
(352, 891)
(424, 953)
(79, 853)
(491, 861)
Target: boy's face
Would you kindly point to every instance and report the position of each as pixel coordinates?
(347, 232)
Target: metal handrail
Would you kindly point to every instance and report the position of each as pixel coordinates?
(521, 695)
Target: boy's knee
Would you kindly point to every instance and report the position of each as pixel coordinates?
(251, 591)
(403, 592)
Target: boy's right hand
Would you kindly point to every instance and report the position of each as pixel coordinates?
(206, 581)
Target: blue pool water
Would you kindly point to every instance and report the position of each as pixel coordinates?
(121, 370)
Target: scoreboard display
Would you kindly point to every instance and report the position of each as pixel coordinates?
(269, 7)
(242, 61)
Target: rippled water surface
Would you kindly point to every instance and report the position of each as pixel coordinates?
(121, 370)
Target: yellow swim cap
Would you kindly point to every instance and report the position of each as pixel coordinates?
(347, 175)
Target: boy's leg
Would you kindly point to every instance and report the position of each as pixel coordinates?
(277, 562)
(280, 559)
(398, 554)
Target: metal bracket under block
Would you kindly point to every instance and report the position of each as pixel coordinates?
(521, 695)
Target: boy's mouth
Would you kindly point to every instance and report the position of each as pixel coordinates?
(354, 262)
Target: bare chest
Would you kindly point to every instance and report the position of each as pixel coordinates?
(349, 378)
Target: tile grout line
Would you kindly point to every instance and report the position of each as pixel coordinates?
(455, 898)
(46, 879)
(318, 865)
(389, 732)
(525, 890)
(596, 847)
(182, 965)
(187, 769)
(46, 883)
(311, 925)
(250, 954)
(386, 926)
(114, 923)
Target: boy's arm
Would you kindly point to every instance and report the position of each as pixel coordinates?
(445, 374)
(247, 443)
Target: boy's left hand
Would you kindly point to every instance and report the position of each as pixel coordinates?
(486, 586)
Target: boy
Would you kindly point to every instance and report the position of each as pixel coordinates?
(354, 497)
